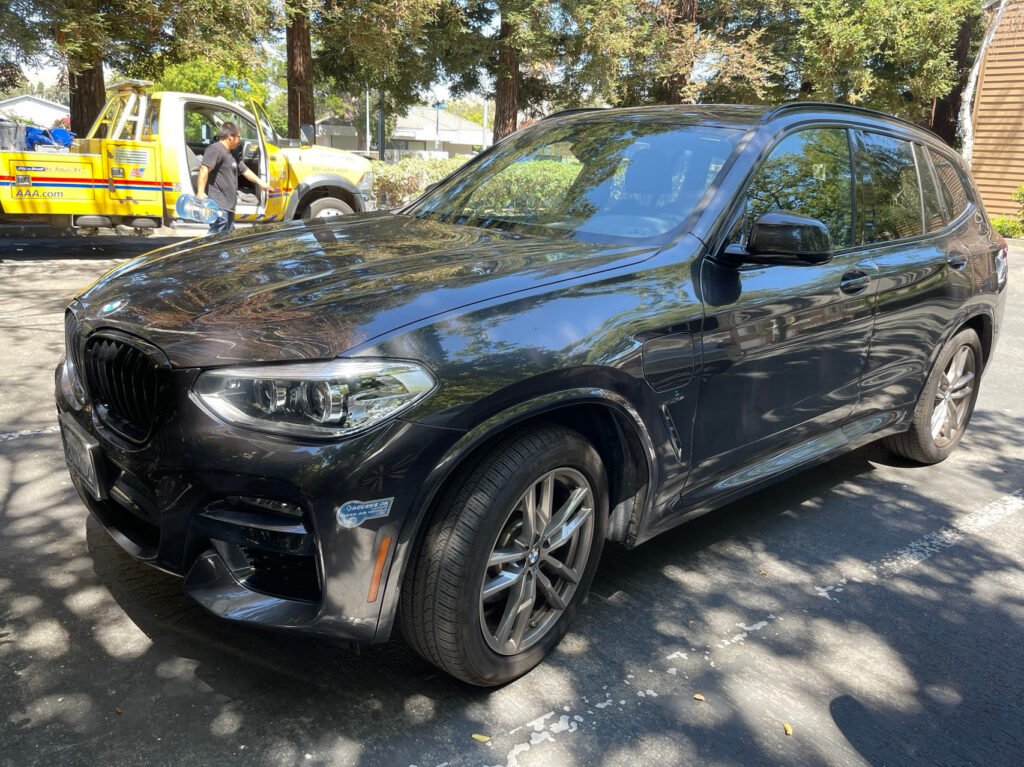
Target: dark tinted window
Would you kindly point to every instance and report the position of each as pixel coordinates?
(809, 174)
(890, 207)
(933, 217)
(951, 186)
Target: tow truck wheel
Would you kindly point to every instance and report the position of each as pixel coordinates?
(327, 207)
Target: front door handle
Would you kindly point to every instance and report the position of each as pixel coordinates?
(956, 261)
(854, 282)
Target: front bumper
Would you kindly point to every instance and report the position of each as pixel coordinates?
(251, 521)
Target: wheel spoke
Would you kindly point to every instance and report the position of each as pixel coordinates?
(529, 502)
(504, 580)
(961, 362)
(962, 388)
(567, 510)
(547, 501)
(562, 570)
(565, 532)
(550, 593)
(512, 609)
(524, 610)
(953, 422)
(505, 556)
(938, 418)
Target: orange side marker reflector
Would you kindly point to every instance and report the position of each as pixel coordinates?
(378, 569)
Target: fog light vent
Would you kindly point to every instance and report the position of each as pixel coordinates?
(283, 508)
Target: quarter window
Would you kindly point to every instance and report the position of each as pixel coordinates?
(890, 207)
(951, 185)
(809, 174)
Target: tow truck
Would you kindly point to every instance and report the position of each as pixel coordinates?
(144, 151)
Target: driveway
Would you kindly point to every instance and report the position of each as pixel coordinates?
(865, 612)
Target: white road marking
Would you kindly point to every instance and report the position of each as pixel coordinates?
(12, 435)
(927, 546)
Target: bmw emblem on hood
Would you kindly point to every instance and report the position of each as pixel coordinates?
(113, 306)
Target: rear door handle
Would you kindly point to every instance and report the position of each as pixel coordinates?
(854, 282)
(956, 261)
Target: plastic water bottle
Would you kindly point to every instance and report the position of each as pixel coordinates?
(192, 208)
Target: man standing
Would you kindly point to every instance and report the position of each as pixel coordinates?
(219, 172)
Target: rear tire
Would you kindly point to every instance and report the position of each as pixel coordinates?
(946, 403)
(508, 558)
(327, 207)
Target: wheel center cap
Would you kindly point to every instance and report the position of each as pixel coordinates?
(534, 556)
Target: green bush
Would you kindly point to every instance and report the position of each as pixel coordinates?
(398, 183)
(1009, 226)
(526, 186)
(1018, 196)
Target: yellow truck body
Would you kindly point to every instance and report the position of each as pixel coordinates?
(144, 151)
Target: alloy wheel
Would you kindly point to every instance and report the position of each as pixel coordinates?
(953, 397)
(537, 561)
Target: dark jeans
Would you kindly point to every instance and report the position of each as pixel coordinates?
(225, 222)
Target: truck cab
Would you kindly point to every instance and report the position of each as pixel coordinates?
(144, 151)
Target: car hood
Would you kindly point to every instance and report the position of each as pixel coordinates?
(312, 290)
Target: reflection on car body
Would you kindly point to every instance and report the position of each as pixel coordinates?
(607, 324)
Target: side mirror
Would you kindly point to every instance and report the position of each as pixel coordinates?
(784, 239)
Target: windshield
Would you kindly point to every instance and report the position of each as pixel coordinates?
(614, 178)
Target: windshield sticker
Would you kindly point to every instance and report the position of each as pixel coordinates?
(354, 513)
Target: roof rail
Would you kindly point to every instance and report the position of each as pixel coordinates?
(789, 105)
(564, 112)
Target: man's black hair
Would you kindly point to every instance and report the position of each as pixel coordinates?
(227, 129)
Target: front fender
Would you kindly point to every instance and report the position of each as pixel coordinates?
(471, 441)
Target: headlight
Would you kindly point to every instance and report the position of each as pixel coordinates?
(365, 185)
(318, 399)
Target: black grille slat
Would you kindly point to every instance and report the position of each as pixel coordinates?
(124, 383)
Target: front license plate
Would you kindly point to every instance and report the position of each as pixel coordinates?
(80, 454)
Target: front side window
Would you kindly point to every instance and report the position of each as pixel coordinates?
(203, 121)
(808, 174)
(602, 179)
(890, 199)
(951, 185)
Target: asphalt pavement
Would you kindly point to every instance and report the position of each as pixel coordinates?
(867, 612)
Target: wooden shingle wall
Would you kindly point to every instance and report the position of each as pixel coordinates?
(997, 160)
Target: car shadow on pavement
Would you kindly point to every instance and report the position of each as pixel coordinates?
(108, 659)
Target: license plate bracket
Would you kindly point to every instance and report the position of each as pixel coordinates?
(81, 452)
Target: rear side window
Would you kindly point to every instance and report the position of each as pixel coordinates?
(808, 173)
(951, 185)
(933, 215)
(890, 199)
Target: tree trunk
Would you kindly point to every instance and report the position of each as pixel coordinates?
(946, 110)
(683, 19)
(506, 89)
(87, 91)
(300, 74)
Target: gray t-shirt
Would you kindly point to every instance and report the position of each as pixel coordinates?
(222, 184)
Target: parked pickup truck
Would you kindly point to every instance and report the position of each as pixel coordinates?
(144, 151)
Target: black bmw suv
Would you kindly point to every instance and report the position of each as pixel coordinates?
(608, 324)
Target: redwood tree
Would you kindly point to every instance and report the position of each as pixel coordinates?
(506, 84)
(300, 71)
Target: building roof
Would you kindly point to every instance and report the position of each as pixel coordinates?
(13, 101)
(428, 123)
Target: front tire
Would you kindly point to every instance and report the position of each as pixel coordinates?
(327, 207)
(946, 403)
(509, 557)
